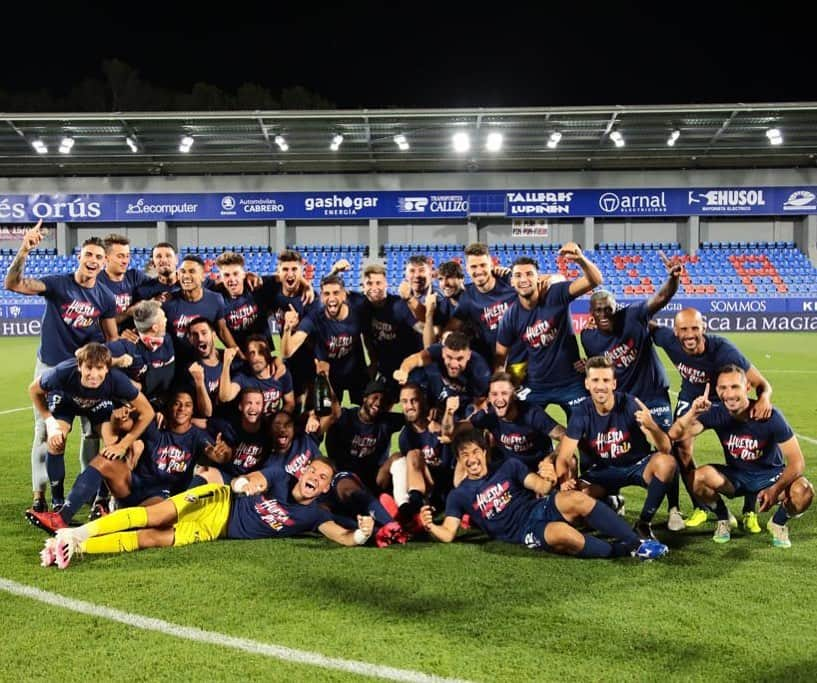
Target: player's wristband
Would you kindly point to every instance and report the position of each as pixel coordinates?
(52, 427)
(360, 536)
(240, 484)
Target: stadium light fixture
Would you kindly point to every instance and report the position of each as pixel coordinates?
(280, 140)
(337, 141)
(775, 136)
(39, 146)
(493, 143)
(66, 144)
(554, 139)
(617, 138)
(186, 144)
(461, 142)
(401, 142)
(673, 138)
(132, 144)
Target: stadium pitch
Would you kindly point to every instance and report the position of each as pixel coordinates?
(474, 610)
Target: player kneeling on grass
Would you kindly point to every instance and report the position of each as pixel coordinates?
(279, 508)
(763, 457)
(512, 504)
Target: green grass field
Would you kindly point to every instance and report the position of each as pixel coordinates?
(475, 609)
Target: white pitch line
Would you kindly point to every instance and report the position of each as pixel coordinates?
(14, 410)
(255, 647)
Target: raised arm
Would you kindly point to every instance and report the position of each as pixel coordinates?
(291, 337)
(415, 360)
(662, 297)
(687, 425)
(227, 389)
(592, 275)
(762, 409)
(14, 275)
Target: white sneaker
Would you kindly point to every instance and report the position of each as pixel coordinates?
(66, 546)
(48, 555)
(780, 534)
(616, 502)
(675, 522)
(722, 532)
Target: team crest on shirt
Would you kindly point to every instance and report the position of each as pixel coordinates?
(171, 459)
(622, 355)
(339, 345)
(79, 314)
(612, 444)
(491, 315)
(492, 501)
(273, 514)
(243, 317)
(746, 448)
(540, 334)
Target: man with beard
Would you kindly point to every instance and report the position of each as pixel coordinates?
(245, 440)
(164, 258)
(79, 309)
(205, 371)
(763, 457)
(359, 442)
(294, 292)
(511, 504)
(439, 306)
(623, 335)
(282, 508)
(449, 369)
(336, 329)
(519, 430)
(392, 334)
(540, 318)
(263, 375)
(612, 431)
(194, 301)
(117, 277)
(698, 357)
(86, 385)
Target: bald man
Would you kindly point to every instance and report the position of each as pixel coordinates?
(698, 357)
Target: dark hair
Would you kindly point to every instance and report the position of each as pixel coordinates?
(230, 258)
(472, 435)
(374, 269)
(525, 261)
(729, 368)
(477, 249)
(250, 390)
(163, 245)
(93, 354)
(265, 349)
(597, 362)
(502, 376)
(197, 321)
(418, 260)
(114, 238)
(332, 280)
(195, 258)
(456, 341)
(289, 255)
(450, 269)
(93, 242)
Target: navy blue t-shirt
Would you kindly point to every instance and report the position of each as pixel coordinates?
(361, 447)
(546, 332)
(499, 503)
(65, 378)
(612, 440)
(249, 448)
(153, 369)
(435, 454)
(124, 289)
(750, 445)
(274, 514)
(338, 341)
(246, 313)
(180, 312)
(471, 383)
(303, 450)
(72, 317)
(392, 333)
(525, 438)
(152, 287)
(697, 371)
(630, 349)
(484, 311)
(170, 458)
(273, 389)
(301, 363)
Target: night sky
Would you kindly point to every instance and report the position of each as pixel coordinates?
(401, 54)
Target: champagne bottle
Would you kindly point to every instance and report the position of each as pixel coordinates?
(321, 396)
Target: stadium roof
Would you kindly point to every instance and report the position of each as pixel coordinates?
(245, 142)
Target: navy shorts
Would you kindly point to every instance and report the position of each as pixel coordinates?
(566, 397)
(749, 481)
(661, 411)
(63, 408)
(142, 488)
(613, 478)
(543, 513)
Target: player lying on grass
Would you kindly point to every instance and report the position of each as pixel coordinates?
(278, 508)
(762, 456)
(505, 503)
